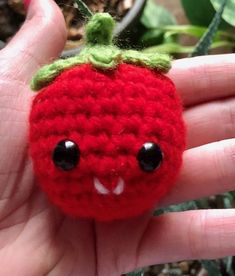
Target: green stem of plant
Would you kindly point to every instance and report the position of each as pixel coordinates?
(192, 30)
(205, 42)
(86, 12)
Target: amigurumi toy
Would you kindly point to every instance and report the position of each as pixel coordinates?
(106, 128)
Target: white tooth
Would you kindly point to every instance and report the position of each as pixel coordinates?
(120, 187)
(100, 187)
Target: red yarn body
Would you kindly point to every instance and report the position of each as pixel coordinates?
(110, 115)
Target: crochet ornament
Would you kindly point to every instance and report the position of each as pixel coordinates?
(106, 129)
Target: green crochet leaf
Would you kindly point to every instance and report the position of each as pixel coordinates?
(160, 62)
(48, 73)
(102, 57)
(101, 54)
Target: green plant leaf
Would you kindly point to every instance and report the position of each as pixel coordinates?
(85, 11)
(195, 31)
(136, 273)
(152, 37)
(201, 13)
(206, 40)
(228, 14)
(170, 48)
(175, 48)
(212, 267)
(155, 36)
(189, 205)
(155, 16)
(228, 200)
(228, 261)
(153, 19)
(167, 34)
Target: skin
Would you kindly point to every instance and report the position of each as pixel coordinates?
(35, 239)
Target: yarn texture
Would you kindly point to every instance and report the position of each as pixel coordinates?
(109, 112)
(101, 53)
(99, 30)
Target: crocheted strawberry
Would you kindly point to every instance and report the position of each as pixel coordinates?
(106, 129)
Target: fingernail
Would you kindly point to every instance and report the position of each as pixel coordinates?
(26, 4)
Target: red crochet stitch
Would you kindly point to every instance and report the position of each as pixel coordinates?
(109, 115)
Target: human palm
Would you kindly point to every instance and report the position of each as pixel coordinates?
(36, 239)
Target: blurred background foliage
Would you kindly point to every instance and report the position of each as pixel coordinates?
(159, 30)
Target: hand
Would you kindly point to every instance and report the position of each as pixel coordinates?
(36, 239)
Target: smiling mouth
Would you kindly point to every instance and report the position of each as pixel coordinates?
(101, 189)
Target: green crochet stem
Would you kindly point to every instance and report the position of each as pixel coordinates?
(101, 53)
(99, 30)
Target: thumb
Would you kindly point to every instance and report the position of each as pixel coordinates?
(40, 39)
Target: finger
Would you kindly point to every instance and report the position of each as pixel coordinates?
(210, 122)
(40, 39)
(204, 78)
(207, 234)
(207, 170)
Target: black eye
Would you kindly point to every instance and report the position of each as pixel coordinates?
(149, 157)
(66, 155)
